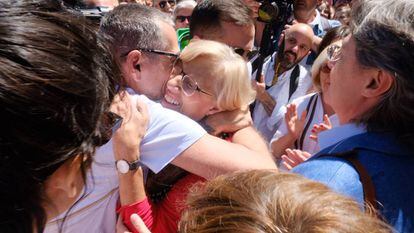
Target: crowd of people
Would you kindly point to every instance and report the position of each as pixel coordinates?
(114, 123)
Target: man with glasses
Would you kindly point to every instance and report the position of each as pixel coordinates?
(166, 6)
(370, 156)
(145, 45)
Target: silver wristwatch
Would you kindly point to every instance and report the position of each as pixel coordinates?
(123, 166)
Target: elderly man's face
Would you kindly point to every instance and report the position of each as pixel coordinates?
(348, 79)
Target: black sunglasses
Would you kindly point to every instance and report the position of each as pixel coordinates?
(245, 53)
(159, 52)
(182, 18)
(162, 4)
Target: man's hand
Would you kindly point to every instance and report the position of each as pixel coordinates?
(262, 96)
(260, 88)
(228, 121)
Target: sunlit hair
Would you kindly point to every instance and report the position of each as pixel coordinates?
(318, 64)
(231, 84)
(384, 38)
(263, 201)
(185, 4)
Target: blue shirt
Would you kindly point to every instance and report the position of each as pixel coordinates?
(389, 164)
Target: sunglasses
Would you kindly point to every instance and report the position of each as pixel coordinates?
(159, 52)
(182, 18)
(188, 85)
(162, 4)
(245, 53)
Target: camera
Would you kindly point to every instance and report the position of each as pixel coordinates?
(275, 14)
(275, 10)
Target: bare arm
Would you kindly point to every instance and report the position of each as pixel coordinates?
(211, 156)
(279, 146)
(263, 96)
(315, 43)
(267, 101)
(126, 141)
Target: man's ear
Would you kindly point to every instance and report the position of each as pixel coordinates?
(378, 84)
(213, 110)
(131, 67)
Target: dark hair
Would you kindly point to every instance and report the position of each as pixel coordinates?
(384, 36)
(266, 201)
(207, 16)
(332, 35)
(57, 79)
(134, 26)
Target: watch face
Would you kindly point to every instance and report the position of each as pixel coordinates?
(122, 166)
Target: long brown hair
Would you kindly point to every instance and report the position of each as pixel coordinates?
(57, 80)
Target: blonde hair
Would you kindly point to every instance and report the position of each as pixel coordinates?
(231, 84)
(263, 201)
(319, 62)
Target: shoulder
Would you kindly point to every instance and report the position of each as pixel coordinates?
(334, 172)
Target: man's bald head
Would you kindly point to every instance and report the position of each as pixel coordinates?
(297, 44)
(301, 28)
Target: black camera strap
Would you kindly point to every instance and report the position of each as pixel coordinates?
(294, 81)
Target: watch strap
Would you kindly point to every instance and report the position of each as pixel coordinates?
(134, 165)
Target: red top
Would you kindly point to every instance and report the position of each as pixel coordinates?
(161, 217)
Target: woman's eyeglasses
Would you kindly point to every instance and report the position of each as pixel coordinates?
(162, 4)
(182, 18)
(334, 52)
(188, 85)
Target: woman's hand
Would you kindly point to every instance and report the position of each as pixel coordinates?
(292, 158)
(294, 124)
(317, 128)
(136, 221)
(228, 121)
(127, 138)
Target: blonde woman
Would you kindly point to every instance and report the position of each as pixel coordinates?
(207, 78)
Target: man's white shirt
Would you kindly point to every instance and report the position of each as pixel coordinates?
(169, 133)
(280, 93)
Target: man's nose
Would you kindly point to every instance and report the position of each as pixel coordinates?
(295, 48)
